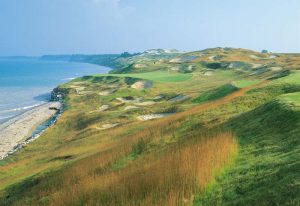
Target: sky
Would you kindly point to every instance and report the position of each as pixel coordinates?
(37, 27)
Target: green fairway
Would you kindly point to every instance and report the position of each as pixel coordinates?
(292, 99)
(244, 83)
(157, 76)
(293, 78)
(214, 94)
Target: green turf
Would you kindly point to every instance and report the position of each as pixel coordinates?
(265, 170)
(157, 76)
(293, 78)
(215, 93)
(292, 99)
(244, 83)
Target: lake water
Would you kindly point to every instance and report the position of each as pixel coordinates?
(27, 83)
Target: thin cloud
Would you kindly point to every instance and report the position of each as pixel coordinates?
(113, 7)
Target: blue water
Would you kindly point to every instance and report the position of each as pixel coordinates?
(26, 83)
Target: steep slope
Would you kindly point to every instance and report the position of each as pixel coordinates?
(265, 172)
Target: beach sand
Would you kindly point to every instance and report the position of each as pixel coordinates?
(18, 129)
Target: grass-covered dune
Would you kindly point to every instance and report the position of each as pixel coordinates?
(218, 136)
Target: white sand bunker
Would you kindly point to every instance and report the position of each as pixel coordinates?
(256, 66)
(107, 92)
(276, 68)
(258, 72)
(109, 126)
(208, 73)
(272, 57)
(212, 57)
(190, 68)
(262, 58)
(104, 108)
(140, 85)
(139, 66)
(175, 60)
(130, 108)
(215, 57)
(153, 116)
(159, 97)
(148, 103)
(254, 57)
(129, 100)
(175, 68)
(178, 98)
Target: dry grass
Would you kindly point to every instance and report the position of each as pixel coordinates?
(171, 177)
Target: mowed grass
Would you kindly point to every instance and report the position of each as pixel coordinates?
(292, 99)
(293, 78)
(244, 83)
(214, 94)
(157, 76)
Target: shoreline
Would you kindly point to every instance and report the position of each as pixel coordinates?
(23, 129)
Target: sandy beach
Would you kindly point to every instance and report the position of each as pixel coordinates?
(18, 129)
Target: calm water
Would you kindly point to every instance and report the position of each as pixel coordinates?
(26, 83)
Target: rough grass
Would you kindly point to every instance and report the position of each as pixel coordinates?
(266, 168)
(172, 179)
(81, 165)
(172, 175)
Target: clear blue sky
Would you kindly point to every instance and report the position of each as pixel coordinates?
(35, 27)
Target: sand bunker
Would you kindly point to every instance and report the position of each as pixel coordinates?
(152, 116)
(109, 126)
(176, 60)
(141, 85)
(256, 66)
(148, 103)
(208, 73)
(139, 66)
(215, 57)
(259, 71)
(254, 57)
(178, 98)
(159, 97)
(190, 68)
(104, 108)
(129, 100)
(262, 58)
(130, 108)
(276, 68)
(175, 69)
(107, 92)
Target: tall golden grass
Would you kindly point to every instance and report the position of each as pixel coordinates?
(172, 177)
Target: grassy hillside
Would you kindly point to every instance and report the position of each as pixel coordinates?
(217, 136)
